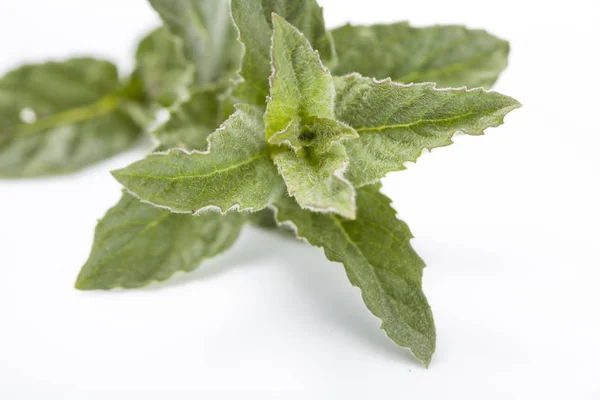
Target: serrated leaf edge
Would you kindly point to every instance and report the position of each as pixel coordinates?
(237, 79)
(274, 17)
(294, 228)
(210, 207)
(78, 282)
(337, 174)
(432, 85)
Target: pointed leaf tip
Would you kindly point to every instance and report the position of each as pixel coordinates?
(136, 244)
(413, 118)
(376, 252)
(300, 121)
(254, 20)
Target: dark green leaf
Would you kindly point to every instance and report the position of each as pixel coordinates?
(193, 121)
(161, 66)
(207, 35)
(412, 118)
(61, 116)
(136, 244)
(451, 56)
(376, 253)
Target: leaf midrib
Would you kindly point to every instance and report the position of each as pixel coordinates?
(126, 246)
(102, 107)
(337, 222)
(411, 124)
(198, 176)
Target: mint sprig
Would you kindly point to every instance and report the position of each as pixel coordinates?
(289, 126)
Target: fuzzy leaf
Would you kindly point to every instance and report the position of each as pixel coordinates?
(412, 118)
(316, 133)
(253, 19)
(300, 85)
(161, 66)
(136, 244)
(451, 56)
(207, 34)
(193, 121)
(376, 253)
(300, 114)
(58, 117)
(235, 172)
(300, 108)
(317, 181)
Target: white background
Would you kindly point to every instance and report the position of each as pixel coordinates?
(508, 224)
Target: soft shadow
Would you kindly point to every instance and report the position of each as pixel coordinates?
(253, 244)
(338, 304)
(328, 293)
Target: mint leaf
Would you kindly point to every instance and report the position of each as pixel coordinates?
(58, 117)
(235, 172)
(120, 256)
(376, 253)
(301, 102)
(316, 133)
(317, 182)
(300, 85)
(161, 66)
(300, 114)
(412, 118)
(207, 35)
(254, 22)
(136, 244)
(451, 56)
(192, 122)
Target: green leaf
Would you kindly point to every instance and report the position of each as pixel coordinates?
(136, 244)
(301, 102)
(253, 19)
(451, 56)
(317, 181)
(412, 118)
(58, 117)
(161, 66)
(316, 133)
(235, 173)
(300, 85)
(376, 253)
(300, 114)
(193, 121)
(207, 34)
